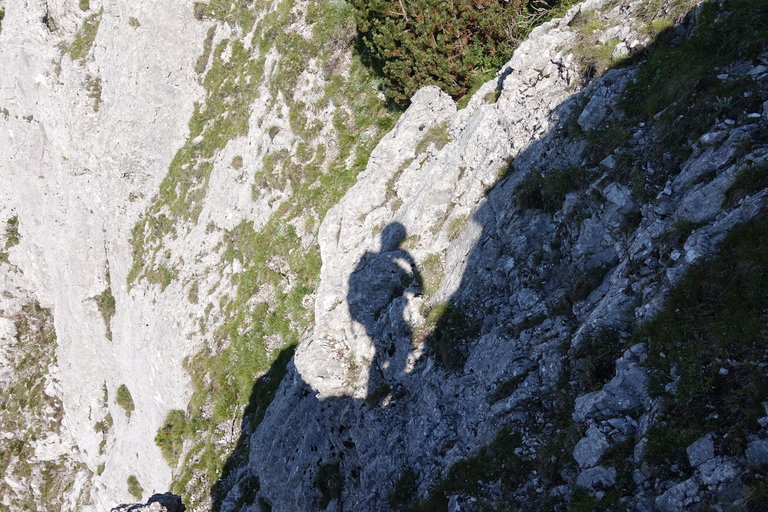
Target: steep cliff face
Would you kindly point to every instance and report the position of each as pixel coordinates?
(228, 269)
(92, 104)
(484, 280)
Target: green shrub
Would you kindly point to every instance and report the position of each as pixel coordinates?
(596, 358)
(712, 333)
(170, 437)
(12, 232)
(105, 301)
(437, 135)
(448, 326)
(750, 180)
(454, 45)
(134, 487)
(125, 400)
(84, 37)
(496, 462)
(93, 86)
(547, 191)
(432, 271)
(457, 226)
(84, 5)
(202, 60)
(405, 489)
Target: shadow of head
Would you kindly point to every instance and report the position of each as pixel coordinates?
(392, 236)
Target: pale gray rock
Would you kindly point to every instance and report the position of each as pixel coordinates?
(625, 392)
(712, 138)
(609, 162)
(603, 100)
(597, 478)
(718, 470)
(590, 449)
(701, 450)
(679, 497)
(621, 196)
(507, 269)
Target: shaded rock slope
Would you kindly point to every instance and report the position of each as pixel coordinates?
(484, 332)
(229, 271)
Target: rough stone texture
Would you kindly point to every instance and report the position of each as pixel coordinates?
(591, 448)
(679, 497)
(78, 180)
(370, 393)
(596, 478)
(627, 391)
(702, 450)
(757, 452)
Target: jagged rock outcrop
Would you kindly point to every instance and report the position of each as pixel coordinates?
(515, 284)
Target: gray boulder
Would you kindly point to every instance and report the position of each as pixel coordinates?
(596, 478)
(591, 448)
(701, 450)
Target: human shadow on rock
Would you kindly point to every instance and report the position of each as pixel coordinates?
(377, 297)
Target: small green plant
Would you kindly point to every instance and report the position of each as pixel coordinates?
(492, 96)
(437, 136)
(750, 180)
(85, 37)
(496, 462)
(507, 387)
(170, 437)
(84, 5)
(586, 282)
(547, 191)
(405, 490)
(202, 60)
(708, 340)
(134, 487)
(457, 226)
(237, 162)
(329, 482)
(596, 359)
(105, 302)
(134, 22)
(12, 236)
(448, 327)
(93, 86)
(605, 140)
(125, 400)
(193, 294)
(432, 271)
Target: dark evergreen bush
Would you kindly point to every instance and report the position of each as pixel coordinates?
(454, 44)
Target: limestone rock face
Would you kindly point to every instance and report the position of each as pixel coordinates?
(93, 110)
